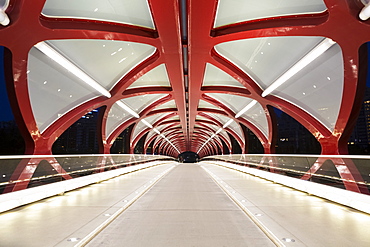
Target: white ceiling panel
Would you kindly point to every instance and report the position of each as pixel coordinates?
(116, 117)
(234, 102)
(106, 61)
(275, 55)
(53, 90)
(214, 76)
(235, 11)
(139, 103)
(257, 116)
(169, 104)
(318, 88)
(156, 77)
(121, 11)
(205, 104)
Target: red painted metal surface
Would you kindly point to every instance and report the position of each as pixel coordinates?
(340, 22)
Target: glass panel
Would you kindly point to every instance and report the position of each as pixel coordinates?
(214, 76)
(155, 77)
(256, 116)
(139, 103)
(205, 104)
(234, 102)
(169, 104)
(235, 11)
(318, 87)
(47, 167)
(330, 171)
(275, 55)
(116, 117)
(49, 82)
(106, 61)
(122, 11)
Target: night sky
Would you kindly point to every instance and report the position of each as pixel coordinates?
(5, 112)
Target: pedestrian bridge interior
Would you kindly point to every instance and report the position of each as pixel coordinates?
(188, 80)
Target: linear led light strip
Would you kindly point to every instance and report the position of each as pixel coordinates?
(170, 142)
(365, 12)
(159, 133)
(4, 18)
(68, 65)
(64, 62)
(217, 132)
(318, 50)
(127, 109)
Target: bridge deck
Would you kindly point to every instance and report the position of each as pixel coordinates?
(185, 208)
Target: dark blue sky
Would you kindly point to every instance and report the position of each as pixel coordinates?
(6, 112)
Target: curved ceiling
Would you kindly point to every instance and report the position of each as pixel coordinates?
(189, 74)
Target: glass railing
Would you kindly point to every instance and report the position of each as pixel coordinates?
(21, 172)
(351, 172)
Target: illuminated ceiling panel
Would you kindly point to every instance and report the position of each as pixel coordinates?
(116, 117)
(49, 82)
(105, 61)
(234, 102)
(201, 118)
(170, 104)
(173, 118)
(274, 54)
(156, 77)
(134, 59)
(257, 116)
(205, 104)
(139, 103)
(235, 11)
(121, 11)
(141, 125)
(318, 88)
(217, 77)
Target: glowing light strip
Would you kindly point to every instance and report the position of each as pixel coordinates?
(146, 123)
(65, 63)
(318, 50)
(170, 142)
(4, 19)
(227, 123)
(249, 106)
(345, 197)
(212, 136)
(307, 59)
(365, 12)
(22, 197)
(127, 109)
(217, 132)
(159, 133)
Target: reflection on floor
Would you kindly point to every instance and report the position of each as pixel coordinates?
(185, 208)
